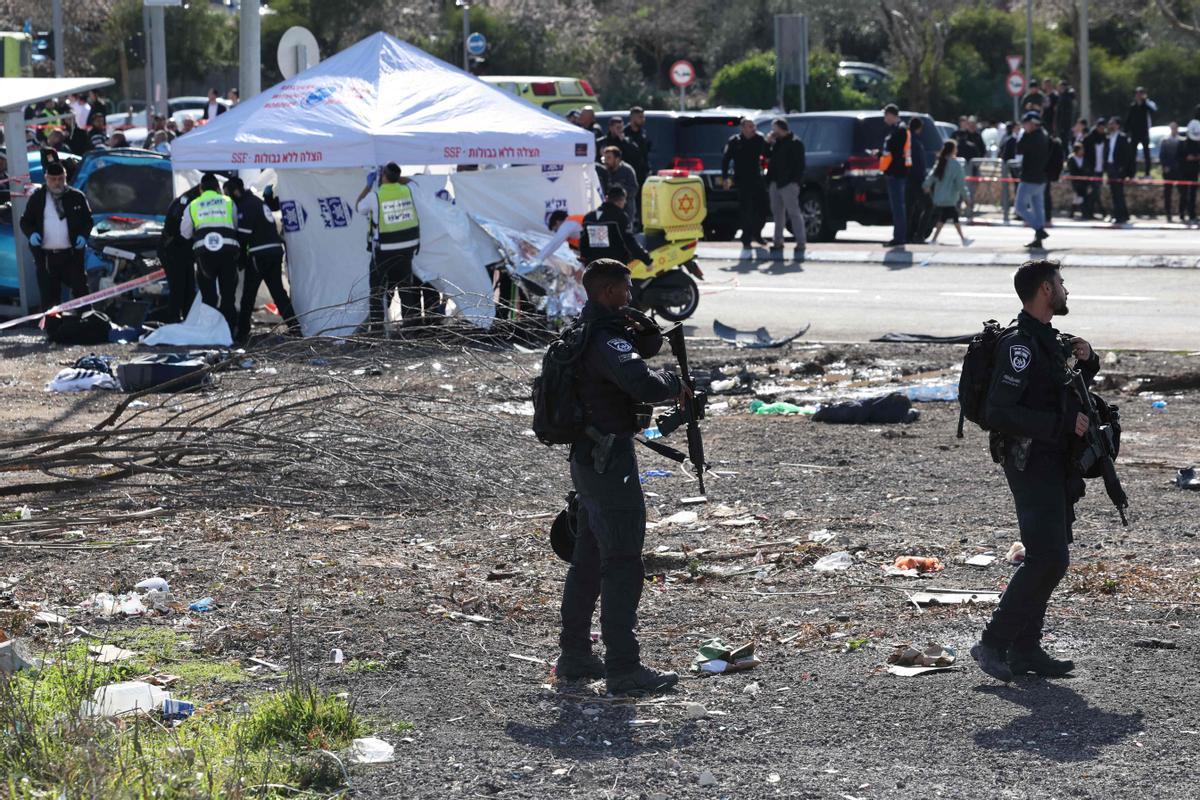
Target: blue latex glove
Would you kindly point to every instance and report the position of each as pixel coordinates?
(371, 176)
(80, 242)
(35, 240)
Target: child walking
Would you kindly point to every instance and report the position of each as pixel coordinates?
(948, 184)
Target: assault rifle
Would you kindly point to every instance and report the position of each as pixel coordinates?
(693, 409)
(1099, 448)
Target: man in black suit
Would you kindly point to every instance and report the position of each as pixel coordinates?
(213, 109)
(1120, 164)
(1095, 146)
(1138, 122)
(57, 222)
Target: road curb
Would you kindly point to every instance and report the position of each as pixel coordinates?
(898, 258)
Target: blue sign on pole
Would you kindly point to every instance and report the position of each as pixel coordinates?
(476, 44)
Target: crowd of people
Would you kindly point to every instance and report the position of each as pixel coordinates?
(79, 124)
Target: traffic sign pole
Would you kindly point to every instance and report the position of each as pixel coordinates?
(682, 74)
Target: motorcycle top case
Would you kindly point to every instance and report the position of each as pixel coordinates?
(675, 204)
(152, 371)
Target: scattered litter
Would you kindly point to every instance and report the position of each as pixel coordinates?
(437, 610)
(941, 392)
(106, 605)
(716, 657)
(821, 536)
(530, 659)
(896, 572)
(981, 560)
(1015, 554)
(126, 697)
(761, 408)
(723, 385)
(951, 597)
(177, 709)
(918, 563)
(203, 605)
(773, 777)
(695, 710)
(706, 778)
(1159, 405)
(834, 561)
(371, 751)
(656, 473)
(682, 518)
(754, 340)
(1155, 644)
(157, 584)
(109, 654)
(48, 618)
(642, 723)
(336, 656)
(652, 433)
(693, 501)
(908, 661)
(751, 689)
(267, 664)
(13, 657)
(744, 522)
(1187, 479)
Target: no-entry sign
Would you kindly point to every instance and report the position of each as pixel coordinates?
(682, 73)
(1015, 84)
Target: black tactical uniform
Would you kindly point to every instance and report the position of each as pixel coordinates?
(611, 523)
(262, 261)
(606, 234)
(175, 254)
(1031, 410)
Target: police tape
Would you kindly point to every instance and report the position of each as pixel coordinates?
(1088, 179)
(103, 294)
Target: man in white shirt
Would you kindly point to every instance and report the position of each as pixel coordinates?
(57, 221)
(81, 109)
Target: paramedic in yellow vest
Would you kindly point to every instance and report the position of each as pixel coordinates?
(210, 222)
(396, 237)
(895, 161)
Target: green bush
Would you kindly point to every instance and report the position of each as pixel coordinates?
(751, 83)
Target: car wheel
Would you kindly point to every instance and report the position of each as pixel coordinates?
(817, 225)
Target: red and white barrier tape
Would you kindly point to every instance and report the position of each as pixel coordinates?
(103, 294)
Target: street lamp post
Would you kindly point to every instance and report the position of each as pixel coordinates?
(1028, 44)
(465, 5)
(1085, 70)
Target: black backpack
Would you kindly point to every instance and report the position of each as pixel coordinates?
(976, 377)
(558, 416)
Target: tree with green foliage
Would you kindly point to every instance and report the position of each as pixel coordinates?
(751, 83)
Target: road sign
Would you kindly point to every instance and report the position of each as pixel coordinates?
(1014, 63)
(682, 73)
(297, 51)
(476, 44)
(1015, 84)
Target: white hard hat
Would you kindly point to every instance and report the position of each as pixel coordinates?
(1193, 130)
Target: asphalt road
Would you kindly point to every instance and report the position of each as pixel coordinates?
(1143, 308)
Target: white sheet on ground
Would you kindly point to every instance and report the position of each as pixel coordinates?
(204, 325)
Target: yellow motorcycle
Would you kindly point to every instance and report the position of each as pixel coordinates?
(673, 211)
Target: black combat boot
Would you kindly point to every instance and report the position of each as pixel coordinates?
(1039, 662)
(993, 661)
(643, 680)
(578, 667)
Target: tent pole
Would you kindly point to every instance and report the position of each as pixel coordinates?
(18, 166)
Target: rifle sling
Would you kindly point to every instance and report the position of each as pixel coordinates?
(662, 449)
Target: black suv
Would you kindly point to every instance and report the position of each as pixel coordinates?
(842, 179)
(694, 141)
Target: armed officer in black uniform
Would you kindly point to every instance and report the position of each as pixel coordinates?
(1036, 421)
(611, 523)
(606, 232)
(262, 258)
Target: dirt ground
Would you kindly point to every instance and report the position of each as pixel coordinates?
(449, 600)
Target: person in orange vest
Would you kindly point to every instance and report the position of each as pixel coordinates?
(895, 162)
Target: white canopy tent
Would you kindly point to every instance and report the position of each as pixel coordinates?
(15, 95)
(381, 100)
